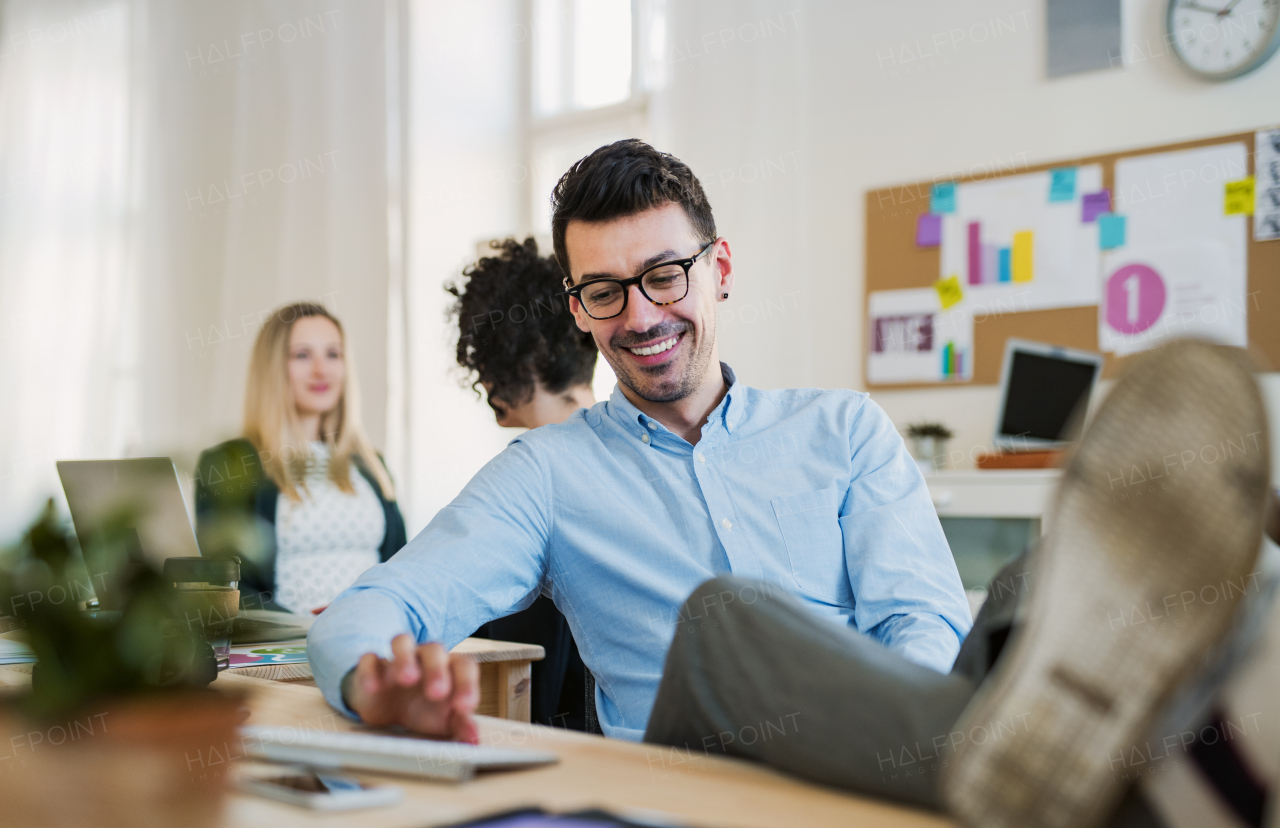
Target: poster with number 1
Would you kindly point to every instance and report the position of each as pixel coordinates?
(1181, 270)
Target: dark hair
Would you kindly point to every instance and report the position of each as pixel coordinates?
(623, 179)
(514, 325)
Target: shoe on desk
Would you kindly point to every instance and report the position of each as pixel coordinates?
(1153, 534)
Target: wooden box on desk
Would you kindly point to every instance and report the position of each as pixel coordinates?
(505, 675)
(1047, 459)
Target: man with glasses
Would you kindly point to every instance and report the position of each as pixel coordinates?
(621, 511)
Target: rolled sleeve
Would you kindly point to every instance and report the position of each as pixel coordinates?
(906, 587)
(483, 556)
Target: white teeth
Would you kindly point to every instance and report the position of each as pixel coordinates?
(665, 345)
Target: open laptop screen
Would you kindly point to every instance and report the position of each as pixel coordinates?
(1042, 393)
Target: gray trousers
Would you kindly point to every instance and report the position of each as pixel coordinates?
(753, 673)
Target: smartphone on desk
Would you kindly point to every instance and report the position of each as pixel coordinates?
(320, 790)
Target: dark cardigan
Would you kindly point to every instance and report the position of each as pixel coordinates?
(232, 488)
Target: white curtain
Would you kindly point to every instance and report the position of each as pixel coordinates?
(170, 172)
(68, 285)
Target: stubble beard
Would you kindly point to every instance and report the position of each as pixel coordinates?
(677, 387)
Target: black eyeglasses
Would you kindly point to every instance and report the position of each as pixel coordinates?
(663, 284)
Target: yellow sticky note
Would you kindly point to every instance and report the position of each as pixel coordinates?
(1239, 197)
(1023, 260)
(949, 290)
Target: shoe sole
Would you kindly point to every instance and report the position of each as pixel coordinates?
(1135, 520)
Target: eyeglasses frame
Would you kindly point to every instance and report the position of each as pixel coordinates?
(576, 290)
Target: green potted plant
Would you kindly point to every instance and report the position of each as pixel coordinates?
(117, 705)
(929, 444)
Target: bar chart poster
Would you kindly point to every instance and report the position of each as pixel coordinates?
(913, 339)
(1025, 242)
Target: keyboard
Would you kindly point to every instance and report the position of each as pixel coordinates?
(403, 755)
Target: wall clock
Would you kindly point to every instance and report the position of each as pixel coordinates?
(1222, 39)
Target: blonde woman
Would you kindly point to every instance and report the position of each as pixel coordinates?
(304, 466)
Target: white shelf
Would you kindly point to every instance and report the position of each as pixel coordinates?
(1006, 493)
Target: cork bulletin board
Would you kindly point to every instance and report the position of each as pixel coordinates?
(893, 261)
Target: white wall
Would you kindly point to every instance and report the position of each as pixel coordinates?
(265, 184)
(464, 143)
(791, 111)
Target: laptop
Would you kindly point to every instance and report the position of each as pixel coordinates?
(148, 488)
(1044, 394)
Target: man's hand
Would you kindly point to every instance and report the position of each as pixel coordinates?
(422, 688)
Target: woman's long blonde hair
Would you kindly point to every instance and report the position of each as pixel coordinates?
(271, 418)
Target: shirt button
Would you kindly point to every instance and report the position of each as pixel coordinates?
(644, 438)
(702, 458)
(730, 425)
(651, 425)
(726, 524)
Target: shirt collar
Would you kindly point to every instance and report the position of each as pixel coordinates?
(730, 412)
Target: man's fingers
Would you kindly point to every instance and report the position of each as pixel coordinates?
(435, 671)
(464, 729)
(466, 684)
(366, 683)
(405, 665)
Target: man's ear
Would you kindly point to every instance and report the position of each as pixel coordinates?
(579, 315)
(723, 264)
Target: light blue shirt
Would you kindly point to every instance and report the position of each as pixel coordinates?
(619, 520)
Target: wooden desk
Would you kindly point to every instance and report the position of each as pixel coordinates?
(687, 787)
(593, 772)
(504, 674)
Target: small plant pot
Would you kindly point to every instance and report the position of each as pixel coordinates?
(930, 452)
(140, 762)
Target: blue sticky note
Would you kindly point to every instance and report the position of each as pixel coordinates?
(944, 198)
(1062, 184)
(1006, 260)
(1110, 230)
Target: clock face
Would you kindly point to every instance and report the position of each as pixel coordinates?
(1221, 39)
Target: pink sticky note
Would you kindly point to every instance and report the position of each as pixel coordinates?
(928, 230)
(1094, 204)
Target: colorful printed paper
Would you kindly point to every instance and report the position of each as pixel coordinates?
(1054, 266)
(949, 291)
(257, 655)
(1062, 184)
(943, 198)
(1094, 205)
(1182, 269)
(1238, 198)
(912, 340)
(928, 230)
(1111, 231)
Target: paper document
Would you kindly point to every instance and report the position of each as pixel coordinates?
(257, 655)
(14, 648)
(1022, 242)
(1266, 185)
(914, 340)
(1182, 268)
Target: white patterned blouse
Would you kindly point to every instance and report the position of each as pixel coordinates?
(325, 542)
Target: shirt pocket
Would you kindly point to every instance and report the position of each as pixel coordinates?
(810, 526)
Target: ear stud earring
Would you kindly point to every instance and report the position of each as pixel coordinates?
(725, 295)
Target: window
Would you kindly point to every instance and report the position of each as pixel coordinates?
(592, 65)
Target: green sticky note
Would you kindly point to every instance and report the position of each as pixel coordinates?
(943, 199)
(1110, 231)
(1062, 184)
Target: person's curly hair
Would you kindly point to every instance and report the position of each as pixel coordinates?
(514, 325)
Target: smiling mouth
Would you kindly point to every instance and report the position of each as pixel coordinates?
(656, 348)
